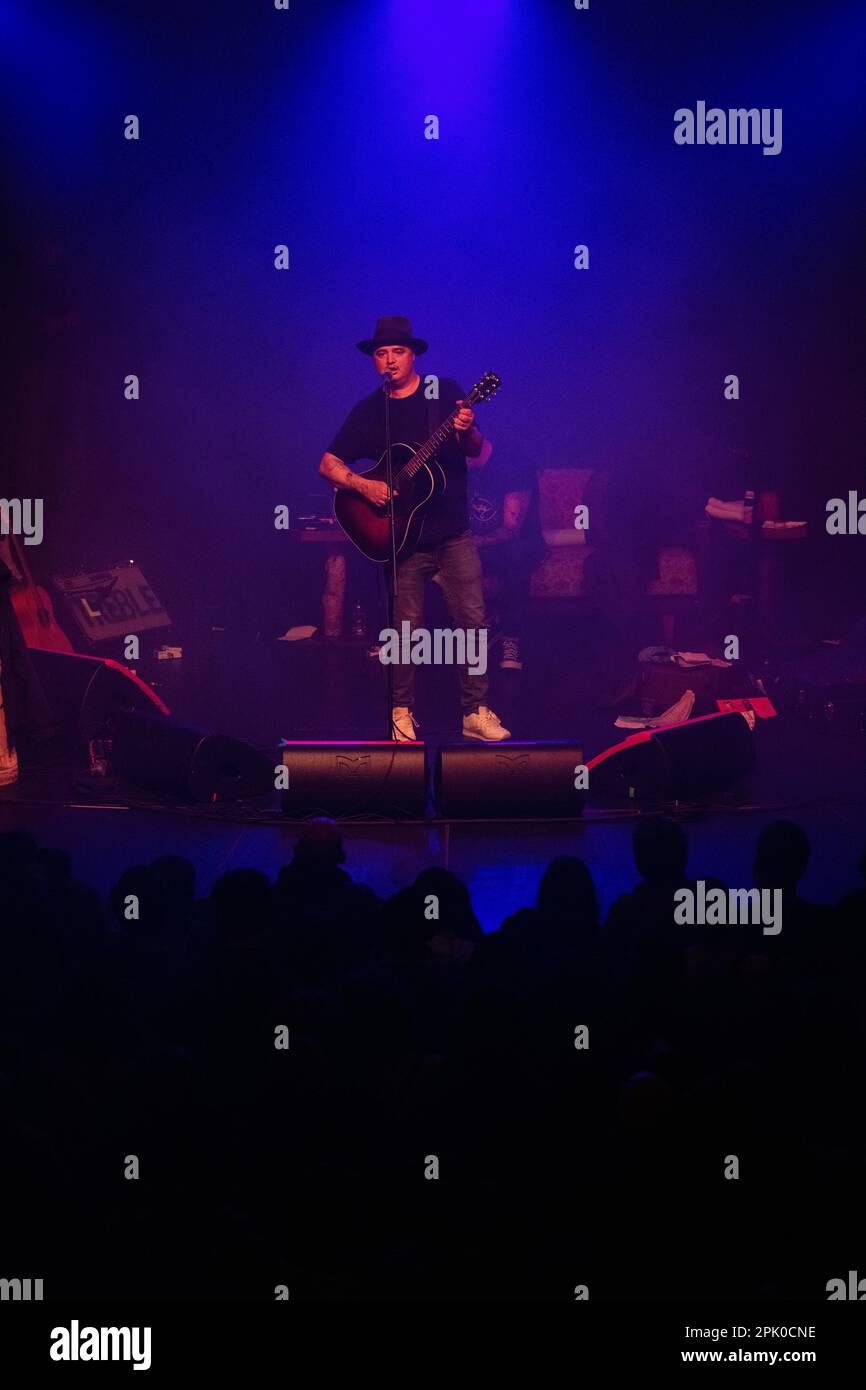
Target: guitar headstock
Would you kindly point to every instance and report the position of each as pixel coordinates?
(484, 389)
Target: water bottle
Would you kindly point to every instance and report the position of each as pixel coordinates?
(359, 622)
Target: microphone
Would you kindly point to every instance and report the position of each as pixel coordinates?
(387, 383)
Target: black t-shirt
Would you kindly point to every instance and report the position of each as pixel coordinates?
(413, 420)
(488, 488)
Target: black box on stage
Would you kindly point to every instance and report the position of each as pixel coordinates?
(682, 760)
(355, 779)
(504, 781)
(159, 753)
(86, 694)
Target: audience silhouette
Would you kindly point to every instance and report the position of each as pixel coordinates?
(299, 1083)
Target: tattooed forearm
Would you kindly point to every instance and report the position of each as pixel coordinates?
(337, 473)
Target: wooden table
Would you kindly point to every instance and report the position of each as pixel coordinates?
(772, 546)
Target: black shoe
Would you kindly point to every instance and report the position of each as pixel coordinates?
(510, 655)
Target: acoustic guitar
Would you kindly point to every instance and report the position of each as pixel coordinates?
(417, 477)
(33, 607)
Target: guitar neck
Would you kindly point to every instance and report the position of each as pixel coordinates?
(429, 447)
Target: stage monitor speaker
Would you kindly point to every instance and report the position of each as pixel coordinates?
(355, 779)
(161, 754)
(679, 761)
(86, 694)
(510, 781)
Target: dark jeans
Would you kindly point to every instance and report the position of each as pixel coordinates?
(458, 569)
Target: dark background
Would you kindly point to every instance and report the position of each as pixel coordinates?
(306, 127)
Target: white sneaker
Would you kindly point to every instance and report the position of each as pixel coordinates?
(484, 725)
(403, 725)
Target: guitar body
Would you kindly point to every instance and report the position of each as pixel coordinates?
(367, 525)
(33, 607)
(35, 613)
(418, 476)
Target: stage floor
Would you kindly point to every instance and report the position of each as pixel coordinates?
(816, 781)
(265, 690)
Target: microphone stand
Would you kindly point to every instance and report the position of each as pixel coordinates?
(387, 387)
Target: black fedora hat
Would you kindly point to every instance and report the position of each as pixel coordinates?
(393, 330)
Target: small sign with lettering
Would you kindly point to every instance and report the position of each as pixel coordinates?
(113, 602)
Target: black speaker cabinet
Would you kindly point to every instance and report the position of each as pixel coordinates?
(509, 781)
(680, 761)
(86, 694)
(355, 779)
(158, 753)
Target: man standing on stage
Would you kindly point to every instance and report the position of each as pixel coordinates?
(445, 549)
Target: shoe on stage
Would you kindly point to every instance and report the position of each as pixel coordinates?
(510, 655)
(403, 725)
(484, 724)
